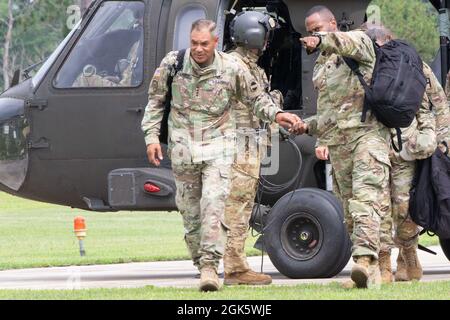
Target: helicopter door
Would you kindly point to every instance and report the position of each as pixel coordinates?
(174, 32)
(94, 96)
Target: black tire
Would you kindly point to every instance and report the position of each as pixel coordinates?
(305, 236)
(445, 245)
(347, 251)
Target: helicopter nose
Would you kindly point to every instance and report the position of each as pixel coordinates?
(14, 129)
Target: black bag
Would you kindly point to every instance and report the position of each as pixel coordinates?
(164, 131)
(429, 204)
(397, 87)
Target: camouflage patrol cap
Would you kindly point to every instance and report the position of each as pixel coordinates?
(252, 29)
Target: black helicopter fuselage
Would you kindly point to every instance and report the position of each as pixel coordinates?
(78, 146)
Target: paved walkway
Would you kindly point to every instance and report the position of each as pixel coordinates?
(173, 274)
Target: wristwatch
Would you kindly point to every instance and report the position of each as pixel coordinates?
(318, 35)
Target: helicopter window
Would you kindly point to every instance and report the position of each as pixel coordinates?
(49, 62)
(110, 51)
(13, 152)
(183, 24)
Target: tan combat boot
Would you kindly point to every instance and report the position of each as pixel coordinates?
(401, 274)
(360, 271)
(413, 267)
(249, 277)
(384, 261)
(348, 284)
(374, 281)
(366, 273)
(209, 280)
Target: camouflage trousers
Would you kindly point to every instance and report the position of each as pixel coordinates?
(201, 193)
(361, 181)
(398, 229)
(238, 210)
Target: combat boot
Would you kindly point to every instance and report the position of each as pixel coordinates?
(209, 280)
(413, 267)
(385, 266)
(374, 281)
(348, 284)
(366, 273)
(249, 277)
(360, 271)
(401, 274)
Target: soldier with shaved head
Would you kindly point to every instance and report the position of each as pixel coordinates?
(359, 151)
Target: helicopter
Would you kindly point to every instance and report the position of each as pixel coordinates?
(67, 140)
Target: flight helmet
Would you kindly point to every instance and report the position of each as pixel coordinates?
(252, 29)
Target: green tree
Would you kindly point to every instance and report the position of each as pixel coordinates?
(413, 20)
(39, 25)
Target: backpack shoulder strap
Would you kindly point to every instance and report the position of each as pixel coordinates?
(180, 61)
(399, 140)
(354, 66)
(176, 67)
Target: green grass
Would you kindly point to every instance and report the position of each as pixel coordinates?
(397, 291)
(35, 234)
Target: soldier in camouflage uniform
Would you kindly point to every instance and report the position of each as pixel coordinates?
(202, 138)
(431, 125)
(443, 121)
(246, 167)
(419, 142)
(359, 152)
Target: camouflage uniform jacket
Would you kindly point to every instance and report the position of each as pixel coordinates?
(441, 108)
(419, 139)
(340, 94)
(200, 125)
(241, 113)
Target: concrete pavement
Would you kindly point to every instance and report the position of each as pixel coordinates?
(174, 274)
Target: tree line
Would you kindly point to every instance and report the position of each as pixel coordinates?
(29, 31)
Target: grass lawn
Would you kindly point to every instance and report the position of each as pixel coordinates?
(398, 291)
(35, 234)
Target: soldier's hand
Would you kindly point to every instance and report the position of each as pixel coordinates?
(322, 153)
(154, 153)
(310, 43)
(443, 147)
(287, 120)
(299, 128)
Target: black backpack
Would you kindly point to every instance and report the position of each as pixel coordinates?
(429, 204)
(398, 84)
(164, 131)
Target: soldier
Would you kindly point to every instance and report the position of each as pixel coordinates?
(250, 33)
(359, 152)
(201, 138)
(419, 142)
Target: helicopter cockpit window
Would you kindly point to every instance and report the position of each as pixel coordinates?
(183, 24)
(110, 51)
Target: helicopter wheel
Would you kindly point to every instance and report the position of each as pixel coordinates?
(305, 235)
